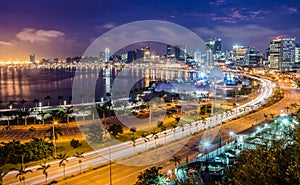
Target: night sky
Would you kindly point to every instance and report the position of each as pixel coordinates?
(61, 28)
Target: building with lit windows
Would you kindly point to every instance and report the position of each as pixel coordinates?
(254, 57)
(297, 55)
(215, 44)
(170, 51)
(102, 56)
(209, 58)
(240, 55)
(197, 56)
(282, 53)
(179, 51)
(32, 58)
(107, 54)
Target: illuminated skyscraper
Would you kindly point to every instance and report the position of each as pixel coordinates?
(209, 58)
(32, 58)
(254, 57)
(197, 55)
(215, 44)
(107, 52)
(179, 51)
(297, 55)
(170, 51)
(241, 55)
(282, 53)
(102, 57)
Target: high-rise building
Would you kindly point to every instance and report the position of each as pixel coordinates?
(197, 56)
(282, 53)
(107, 54)
(131, 56)
(32, 58)
(146, 53)
(124, 57)
(297, 55)
(138, 54)
(170, 51)
(254, 57)
(240, 55)
(209, 58)
(215, 44)
(179, 51)
(102, 56)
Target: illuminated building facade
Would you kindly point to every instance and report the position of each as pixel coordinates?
(282, 53)
(32, 58)
(215, 44)
(240, 55)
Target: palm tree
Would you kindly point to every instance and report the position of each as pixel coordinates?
(35, 101)
(57, 115)
(133, 130)
(3, 172)
(60, 98)
(79, 155)
(155, 136)
(272, 116)
(68, 112)
(182, 129)
(23, 101)
(190, 125)
(144, 136)
(44, 167)
(63, 161)
(176, 160)
(43, 116)
(165, 133)
(266, 116)
(132, 139)
(294, 106)
(48, 98)
(70, 99)
(287, 109)
(174, 129)
(11, 103)
(21, 173)
(57, 131)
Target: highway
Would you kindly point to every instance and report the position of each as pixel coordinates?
(125, 170)
(123, 175)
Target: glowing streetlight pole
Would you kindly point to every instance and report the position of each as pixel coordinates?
(231, 133)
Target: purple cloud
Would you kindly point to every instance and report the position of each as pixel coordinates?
(32, 35)
(291, 10)
(5, 43)
(218, 2)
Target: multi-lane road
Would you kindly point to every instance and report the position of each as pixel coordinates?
(179, 141)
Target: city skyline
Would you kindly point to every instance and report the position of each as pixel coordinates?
(61, 29)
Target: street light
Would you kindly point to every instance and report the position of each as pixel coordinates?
(206, 145)
(54, 142)
(231, 133)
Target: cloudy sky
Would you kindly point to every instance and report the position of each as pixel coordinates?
(59, 28)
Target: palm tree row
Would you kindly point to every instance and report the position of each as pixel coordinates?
(44, 167)
(48, 98)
